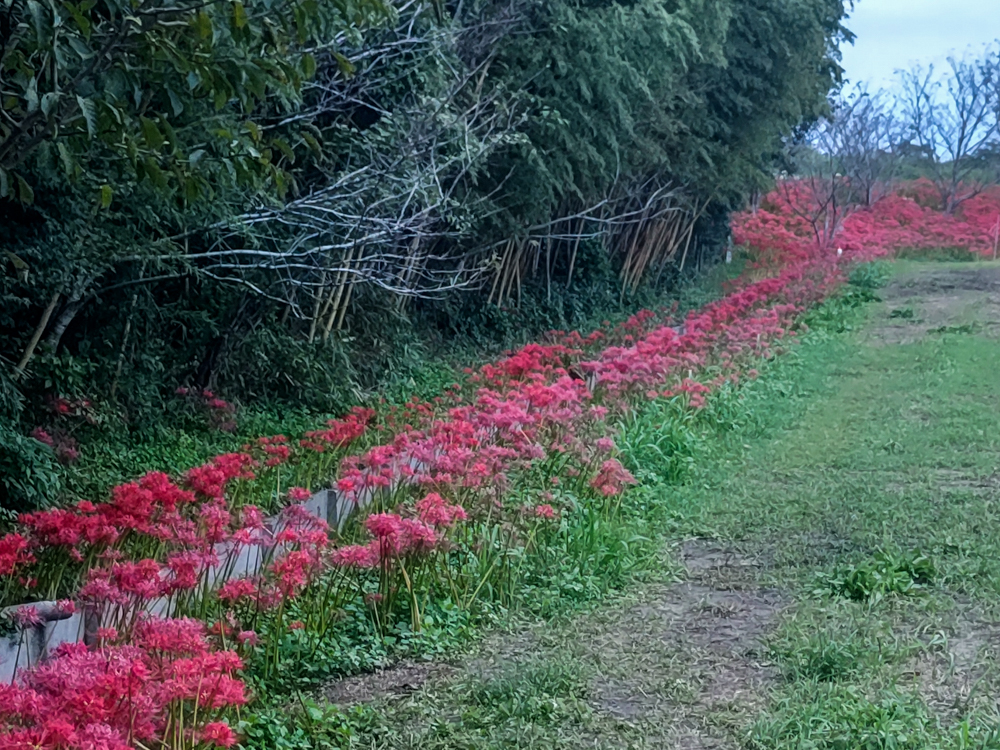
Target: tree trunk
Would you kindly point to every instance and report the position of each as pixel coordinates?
(74, 304)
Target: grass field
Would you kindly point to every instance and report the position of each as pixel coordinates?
(829, 574)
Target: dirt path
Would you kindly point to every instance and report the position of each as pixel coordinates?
(837, 586)
(949, 298)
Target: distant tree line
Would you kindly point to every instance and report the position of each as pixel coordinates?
(940, 124)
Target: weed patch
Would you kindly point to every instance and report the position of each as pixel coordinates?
(833, 717)
(887, 573)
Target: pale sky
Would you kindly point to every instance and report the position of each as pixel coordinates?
(892, 34)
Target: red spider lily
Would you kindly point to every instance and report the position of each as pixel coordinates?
(545, 511)
(218, 733)
(13, 553)
(612, 479)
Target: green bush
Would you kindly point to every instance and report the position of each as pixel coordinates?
(29, 474)
(874, 275)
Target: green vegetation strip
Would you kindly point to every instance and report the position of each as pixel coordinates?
(837, 523)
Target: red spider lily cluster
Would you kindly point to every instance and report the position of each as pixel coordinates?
(124, 696)
(179, 575)
(910, 218)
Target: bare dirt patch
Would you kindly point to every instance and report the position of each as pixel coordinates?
(962, 672)
(939, 299)
(691, 652)
(948, 481)
(393, 682)
(678, 665)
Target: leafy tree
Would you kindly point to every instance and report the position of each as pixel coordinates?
(169, 91)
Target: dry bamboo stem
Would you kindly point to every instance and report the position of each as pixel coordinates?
(343, 308)
(548, 269)
(501, 270)
(336, 307)
(128, 329)
(317, 308)
(673, 243)
(690, 231)
(37, 335)
(572, 259)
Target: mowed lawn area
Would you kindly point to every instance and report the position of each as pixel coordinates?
(829, 576)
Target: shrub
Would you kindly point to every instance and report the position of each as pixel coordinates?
(29, 474)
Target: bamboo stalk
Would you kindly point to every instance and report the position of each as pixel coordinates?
(407, 274)
(548, 269)
(317, 307)
(335, 310)
(648, 251)
(517, 272)
(37, 335)
(674, 243)
(576, 247)
(501, 270)
(121, 353)
(345, 303)
(690, 231)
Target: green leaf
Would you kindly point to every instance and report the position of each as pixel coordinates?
(219, 99)
(202, 23)
(191, 190)
(68, 162)
(239, 15)
(20, 267)
(150, 133)
(346, 66)
(253, 129)
(168, 131)
(89, 111)
(80, 48)
(31, 94)
(106, 194)
(82, 22)
(313, 144)
(154, 173)
(280, 182)
(282, 145)
(308, 66)
(256, 82)
(175, 102)
(49, 103)
(24, 192)
(40, 21)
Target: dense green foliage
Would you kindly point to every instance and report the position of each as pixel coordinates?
(291, 203)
